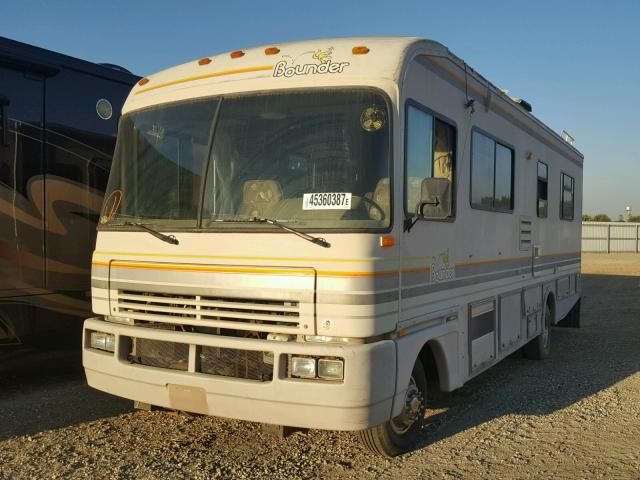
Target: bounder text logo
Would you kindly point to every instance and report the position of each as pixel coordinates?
(441, 270)
(324, 64)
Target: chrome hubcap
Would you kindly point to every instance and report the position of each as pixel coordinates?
(413, 403)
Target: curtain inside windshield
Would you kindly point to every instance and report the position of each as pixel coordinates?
(314, 159)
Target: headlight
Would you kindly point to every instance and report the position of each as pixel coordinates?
(303, 367)
(330, 369)
(103, 341)
(318, 368)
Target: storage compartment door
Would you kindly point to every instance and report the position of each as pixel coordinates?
(482, 333)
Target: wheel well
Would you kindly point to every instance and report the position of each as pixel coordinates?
(551, 302)
(428, 360)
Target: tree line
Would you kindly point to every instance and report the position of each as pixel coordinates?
(603, 217)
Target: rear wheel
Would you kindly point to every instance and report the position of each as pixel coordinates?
(401, 433)
(540, 347)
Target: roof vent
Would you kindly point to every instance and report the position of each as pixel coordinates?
(567, 137)
(523, 103)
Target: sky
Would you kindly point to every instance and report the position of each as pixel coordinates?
(576, 62)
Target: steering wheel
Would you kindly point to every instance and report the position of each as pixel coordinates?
(372, 203)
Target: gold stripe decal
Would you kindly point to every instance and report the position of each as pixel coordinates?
(255, 259)
(295, 271)
(206, 75)
(262, 271)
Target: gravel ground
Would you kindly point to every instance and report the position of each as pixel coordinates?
(574, 415)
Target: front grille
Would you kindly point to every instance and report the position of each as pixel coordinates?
(229, 362)
(279, 316)
(226, 362)
(155, 353)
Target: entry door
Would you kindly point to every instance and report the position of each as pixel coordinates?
(22, 251)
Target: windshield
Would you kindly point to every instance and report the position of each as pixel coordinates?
(312, 159)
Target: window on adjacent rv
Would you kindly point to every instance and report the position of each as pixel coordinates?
(491, 174)
(543, 189)
(429, 152)
(566, 204)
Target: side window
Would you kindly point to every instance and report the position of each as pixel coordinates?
(429, 152)
(543, 189)
(566, 201)
(491, 174)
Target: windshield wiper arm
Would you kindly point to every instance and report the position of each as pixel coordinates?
(317, 240)
(165, 238)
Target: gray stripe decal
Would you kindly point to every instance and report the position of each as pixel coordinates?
(100, 283)
(340, 298)
(438, 287)
(305, 296)
(322, 297)
(464, 271)
(415, 278)
(357, 299)
(491, 268)
(546, 266)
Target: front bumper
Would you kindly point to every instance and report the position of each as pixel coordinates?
(364, 399)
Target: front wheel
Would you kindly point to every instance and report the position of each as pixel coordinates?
(401, 433)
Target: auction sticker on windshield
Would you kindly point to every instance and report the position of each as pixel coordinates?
(326, 201)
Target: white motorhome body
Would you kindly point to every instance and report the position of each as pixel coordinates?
(339, 139)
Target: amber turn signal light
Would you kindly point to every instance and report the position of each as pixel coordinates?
(271, 51)
(387, 241)
(143, 81)
(204, 61)
(359, 50)
(237, 54)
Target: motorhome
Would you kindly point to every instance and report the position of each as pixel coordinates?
(307, 234)
(58, 123)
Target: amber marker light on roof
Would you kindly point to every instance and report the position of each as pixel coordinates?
(204, 61)
(271, 51)
(143, 81)
(387, 241)
(237, 54)
(359, 50)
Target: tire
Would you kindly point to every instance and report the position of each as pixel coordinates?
(401, 434)
(540, 347)
(572, 320)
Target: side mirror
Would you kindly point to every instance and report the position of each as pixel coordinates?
(435, 199)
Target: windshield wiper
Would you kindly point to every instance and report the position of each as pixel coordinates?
(317, 240)
(310, 238)
(165, 238)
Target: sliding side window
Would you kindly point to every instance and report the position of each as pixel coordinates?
(543, 189)
(491, 174)
(429, 152)
(566, 202)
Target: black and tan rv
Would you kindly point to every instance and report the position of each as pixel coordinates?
(58, 123)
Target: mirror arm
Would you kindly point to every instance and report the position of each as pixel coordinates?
(410, 222)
